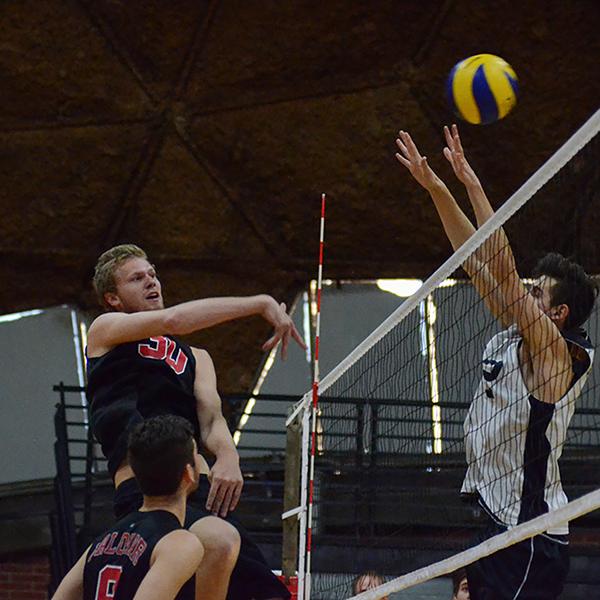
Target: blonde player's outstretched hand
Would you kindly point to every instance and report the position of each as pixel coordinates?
(418, 166)
(456, 157)
(284, 328)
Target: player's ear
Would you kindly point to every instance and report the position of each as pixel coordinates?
(112, 301)
(189, 474)
(559, 314)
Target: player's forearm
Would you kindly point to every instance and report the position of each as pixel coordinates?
(479, 201)
(201, 314)
(495, 251)
(490, 249)
(459, 229)
(67, 593)
(496, 260)
(217, 439)
(457, 226)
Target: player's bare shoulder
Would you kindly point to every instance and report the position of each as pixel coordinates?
(206, 377)
(201, 355)
(97, 337)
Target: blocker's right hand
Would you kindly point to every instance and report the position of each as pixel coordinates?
(418, 166)
(455, 155)
(284, 327)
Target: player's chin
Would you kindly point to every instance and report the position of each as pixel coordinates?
(154, 304)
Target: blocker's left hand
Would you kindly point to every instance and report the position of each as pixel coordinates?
(226, 483)
(411, 158)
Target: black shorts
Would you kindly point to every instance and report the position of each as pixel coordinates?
(535, 569)
(251, 579)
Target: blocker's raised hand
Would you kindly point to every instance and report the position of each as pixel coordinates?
(411, 158)
(455, 155)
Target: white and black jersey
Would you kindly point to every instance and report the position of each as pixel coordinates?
(512, 440)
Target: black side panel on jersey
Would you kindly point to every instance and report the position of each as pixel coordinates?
(535, 461)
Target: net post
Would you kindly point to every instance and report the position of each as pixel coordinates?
(291, 498)
(305, 429)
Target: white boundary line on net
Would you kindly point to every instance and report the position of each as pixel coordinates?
(556, 162)
(568, 512)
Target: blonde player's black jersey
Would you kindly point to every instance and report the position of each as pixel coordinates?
(135, 381)
(118, 560)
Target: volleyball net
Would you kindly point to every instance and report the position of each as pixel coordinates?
(445, 396)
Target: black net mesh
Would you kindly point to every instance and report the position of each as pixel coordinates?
(391, 437)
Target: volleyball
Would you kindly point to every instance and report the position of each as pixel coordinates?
(482, 89)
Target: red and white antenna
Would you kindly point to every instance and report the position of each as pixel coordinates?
(315, 404)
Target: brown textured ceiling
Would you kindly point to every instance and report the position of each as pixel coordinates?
(205, 131)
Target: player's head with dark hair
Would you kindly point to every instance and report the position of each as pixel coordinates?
(125, 281)
(160, 451)
(367, 581)
(571, 287)
(460, 586)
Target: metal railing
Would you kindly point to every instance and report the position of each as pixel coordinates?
(73, 481)
(82, 472)
(357, 475)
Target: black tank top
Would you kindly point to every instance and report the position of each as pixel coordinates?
(135, 381)
(118, 560)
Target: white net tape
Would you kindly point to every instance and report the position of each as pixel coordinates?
(569, 512)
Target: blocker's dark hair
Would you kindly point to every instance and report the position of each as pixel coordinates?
(574, 287)
(159, 450)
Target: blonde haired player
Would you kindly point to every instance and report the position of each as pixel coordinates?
(137, 369)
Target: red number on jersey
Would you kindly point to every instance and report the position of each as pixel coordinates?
(163, 349)
(157, 352)
(108, 579)
(178, 364)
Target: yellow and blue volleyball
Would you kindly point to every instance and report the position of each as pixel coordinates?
(482, 89)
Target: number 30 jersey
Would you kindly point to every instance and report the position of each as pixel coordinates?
(117, 561)
(135, 381)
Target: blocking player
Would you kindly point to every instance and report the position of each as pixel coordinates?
(533, 372)
(137, 369)
(148, 554)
